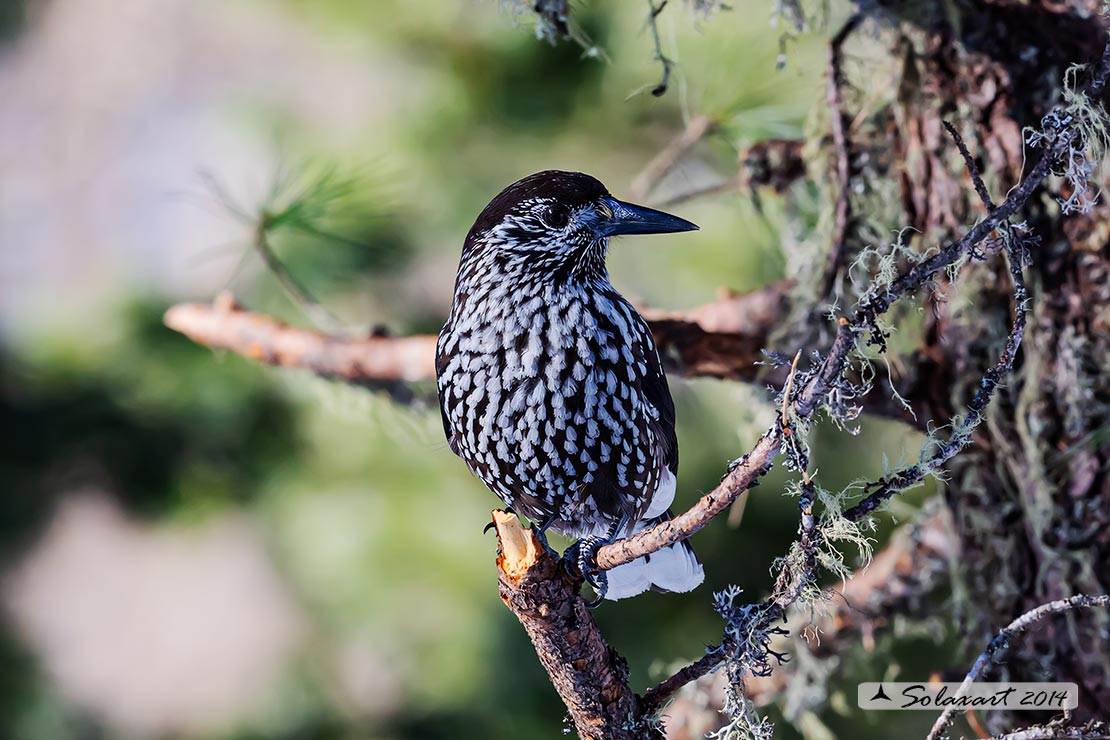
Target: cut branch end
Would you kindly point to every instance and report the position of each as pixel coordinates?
(520, 550)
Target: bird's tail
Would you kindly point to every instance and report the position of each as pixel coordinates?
(674, 568)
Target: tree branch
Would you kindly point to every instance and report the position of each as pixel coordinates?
(1001, 643)
(723, 339)
(881, 490)
(591, 677)
(225, 325)
(842, 212)
(653, 24)
(916, 562)
(663, 162)
(742, 475)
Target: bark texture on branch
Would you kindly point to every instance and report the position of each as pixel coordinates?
(591, 677)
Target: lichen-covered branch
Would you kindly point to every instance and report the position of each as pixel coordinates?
(865, 316)
(897, 581)
(745, 648)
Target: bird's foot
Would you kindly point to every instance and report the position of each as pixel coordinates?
(539, 529)
(583, 554)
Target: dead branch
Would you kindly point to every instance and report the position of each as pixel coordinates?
(653, 25)
(591, 677)
(225, 325)
(723, 339)
(742, 475)
(972, 168)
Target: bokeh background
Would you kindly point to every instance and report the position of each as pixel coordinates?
(194, 546)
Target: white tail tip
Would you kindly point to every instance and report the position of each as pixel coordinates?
(672, 569)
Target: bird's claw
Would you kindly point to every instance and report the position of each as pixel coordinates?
(583, 554)
(540, 531)
(493, 524)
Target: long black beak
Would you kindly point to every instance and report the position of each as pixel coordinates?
(627, 218)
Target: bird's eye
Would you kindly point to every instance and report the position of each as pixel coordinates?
(556, 216)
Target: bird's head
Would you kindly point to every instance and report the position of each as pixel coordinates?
(555, 226)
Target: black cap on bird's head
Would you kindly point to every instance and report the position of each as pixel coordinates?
(561, 220)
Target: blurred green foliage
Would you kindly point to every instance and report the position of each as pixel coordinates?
(375, 527)
(13, 16)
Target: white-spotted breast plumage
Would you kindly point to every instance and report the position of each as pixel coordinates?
(550, 383)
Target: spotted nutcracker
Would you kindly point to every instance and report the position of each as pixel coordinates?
(550, 383)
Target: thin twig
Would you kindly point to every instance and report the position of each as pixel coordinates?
(1001, 643)
(791, 586)
(653, 23)
(663, 162)
(731, 185)
(831, 369)
(655, 697)
(743, 474)
(972, 168)
(889, 485)
(835, 101)
(788, 388)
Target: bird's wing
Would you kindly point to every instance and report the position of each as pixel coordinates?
(658, 394)
(653, 432)
(441, 389)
